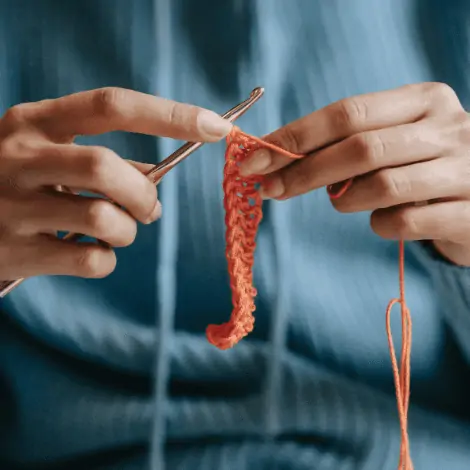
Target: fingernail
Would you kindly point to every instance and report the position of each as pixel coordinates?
(213, 125)
(272, 188)
(257, 163)
(156, 213)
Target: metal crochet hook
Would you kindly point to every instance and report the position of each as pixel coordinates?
(156, 173)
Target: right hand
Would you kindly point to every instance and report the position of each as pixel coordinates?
(37, 153)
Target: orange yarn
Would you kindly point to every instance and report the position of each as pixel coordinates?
(401, 374)
(243, 214)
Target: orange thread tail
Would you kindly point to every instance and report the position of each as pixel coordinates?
(401, 374)
(243, 213)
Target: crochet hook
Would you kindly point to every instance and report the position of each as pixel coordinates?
(156, 173)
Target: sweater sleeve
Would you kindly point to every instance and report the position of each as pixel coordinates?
(452, 283)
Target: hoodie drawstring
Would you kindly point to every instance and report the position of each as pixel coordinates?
(167, 245)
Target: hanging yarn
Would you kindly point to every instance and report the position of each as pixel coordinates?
(401, 374)
(243, 214)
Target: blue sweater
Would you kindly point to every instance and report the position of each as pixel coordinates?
(117, 373)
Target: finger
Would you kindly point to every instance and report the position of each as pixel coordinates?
(436, 179)
(350, 116)
(142, 167)
(95, 169)
(439, 221)
(48, 255)
(117, 109)
(362, 153)
(94, 217)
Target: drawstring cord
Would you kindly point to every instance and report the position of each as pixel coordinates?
(167, 247)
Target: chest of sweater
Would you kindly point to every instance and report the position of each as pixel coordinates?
(336, 51)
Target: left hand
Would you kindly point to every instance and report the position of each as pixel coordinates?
(408, 150)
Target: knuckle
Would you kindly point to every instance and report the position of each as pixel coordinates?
(99, 216)
(17, 145)
(370, 148)
(16, 115)
(108, 101)
(103, 222)
(405, 224)
(389, 186)
(176, 113)
(94, 262)
(13, 168)
(180, 116)
(97, 162)
(350, 113)
(441, 92)
(291, 140)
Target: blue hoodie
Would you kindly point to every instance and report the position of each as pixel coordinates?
(117, 373)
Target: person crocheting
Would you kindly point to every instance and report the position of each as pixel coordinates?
(235, 319)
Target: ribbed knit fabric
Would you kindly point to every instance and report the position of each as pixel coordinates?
(116, 373)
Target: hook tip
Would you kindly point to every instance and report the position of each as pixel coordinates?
(258, 91)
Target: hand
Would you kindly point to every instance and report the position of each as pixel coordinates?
(37, 154)
(408, 151)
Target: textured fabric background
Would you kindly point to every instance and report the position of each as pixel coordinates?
(87, 379)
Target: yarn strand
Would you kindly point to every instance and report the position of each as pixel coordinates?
(401, 374)
(243, 214)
